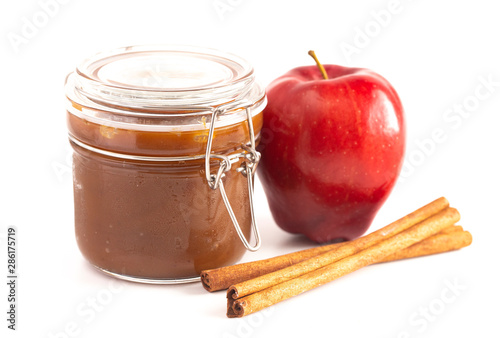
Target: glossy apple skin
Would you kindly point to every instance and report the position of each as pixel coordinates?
(331, 150)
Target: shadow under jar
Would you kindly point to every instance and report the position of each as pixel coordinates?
(164, 157)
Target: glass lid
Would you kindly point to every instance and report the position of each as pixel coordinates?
(152, 77)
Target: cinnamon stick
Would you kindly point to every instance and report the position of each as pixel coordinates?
(222, 278)
(450, 239)
(448, 217)
(249, 297)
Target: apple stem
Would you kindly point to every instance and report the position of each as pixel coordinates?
(320, 66)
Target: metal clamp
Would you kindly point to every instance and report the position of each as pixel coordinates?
(247, 169)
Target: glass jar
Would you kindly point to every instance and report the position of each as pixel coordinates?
(164, 158)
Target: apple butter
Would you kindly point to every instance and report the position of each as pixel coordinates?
(164, 157)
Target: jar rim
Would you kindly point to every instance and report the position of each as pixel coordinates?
(118, 88)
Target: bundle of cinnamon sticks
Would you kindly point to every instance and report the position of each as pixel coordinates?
(254, 286)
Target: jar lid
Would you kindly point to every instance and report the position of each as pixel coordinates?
(154, 81)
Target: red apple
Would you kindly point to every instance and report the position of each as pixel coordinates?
(332, 150)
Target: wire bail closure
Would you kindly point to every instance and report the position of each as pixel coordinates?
(247, 169)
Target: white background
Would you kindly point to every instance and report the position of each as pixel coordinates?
(435, 55)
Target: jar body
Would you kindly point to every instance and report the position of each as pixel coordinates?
(160, 136)
(155, 220)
